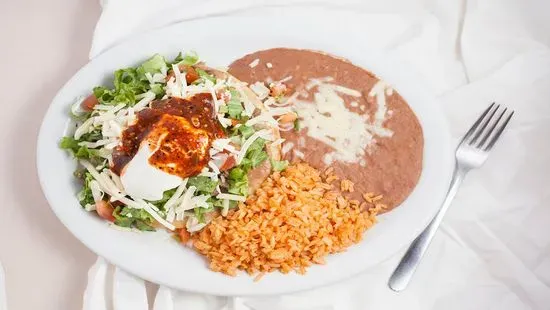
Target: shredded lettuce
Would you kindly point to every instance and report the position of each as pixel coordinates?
(93, 136)
(296, 125)
(238, 176)
(205, 75)
(158, 89)
(234, 106)
(190, 58)
(279, 165)
(245, 131)
(85, 196)
(237, 173)
(257, 145)
(234, 109)
(200, 212)
(223, 109)
(155, 64)
(81, 152)
(234, 93)
(127, 84)
(254, 158)
(238, 181)
(218, 203)
(129, 217)
(130, 82)
(204, 185)
(103, 94)
(233, 204)
(165, 196)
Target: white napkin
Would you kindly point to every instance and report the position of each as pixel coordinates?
(3, 300)
(492, 252)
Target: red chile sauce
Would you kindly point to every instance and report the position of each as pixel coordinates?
(185, 146)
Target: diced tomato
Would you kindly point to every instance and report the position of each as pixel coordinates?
(89, 103)
(288, 118)
(278, 89)
(184, 235)
(105, 210)
(224, 96)
(191, 74)
(229, 163)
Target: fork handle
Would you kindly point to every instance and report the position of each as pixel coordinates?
(407, 266)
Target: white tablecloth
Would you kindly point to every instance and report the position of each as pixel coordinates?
(493, 250)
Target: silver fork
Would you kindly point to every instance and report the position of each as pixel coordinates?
(470, 154)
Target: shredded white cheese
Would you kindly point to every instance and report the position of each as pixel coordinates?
(193, 225)
(284, 80)
(249, 107)
(214, 168)
(287, 147)
(217, 102)
(186, 202)
(277, 142)
(260, 90)
(268, 116)
(225, 207)
(254, 63)
(149, 208)
(225, 122)
(85, 128)
(96, 191)
(220, 144)
(149, 96)
(177, 194)
(231, 197)
(200, 201)
(331, 122)
(98, 143)
(299, 154)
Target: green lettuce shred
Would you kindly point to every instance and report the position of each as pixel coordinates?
(205, 75)
(204, 185)
(165, 196)
(85, 196)
(246, 131)
(81, 152)
(238, 181)
(155, 64)
(137, 218)
(234, 109)
(279, 165)
(158, 89)
(190, 58)
(297, 125)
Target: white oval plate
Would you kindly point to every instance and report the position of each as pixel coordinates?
(158, 258)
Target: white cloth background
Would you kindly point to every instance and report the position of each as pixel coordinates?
(493, 250)
(3, 299)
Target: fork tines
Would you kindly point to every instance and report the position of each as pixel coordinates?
(488, 128)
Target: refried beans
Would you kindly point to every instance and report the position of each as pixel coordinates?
(391, 165)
